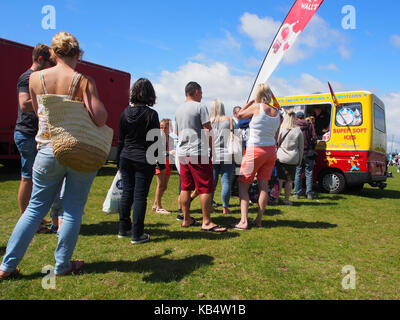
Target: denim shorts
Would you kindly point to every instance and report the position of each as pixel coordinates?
(26, 145)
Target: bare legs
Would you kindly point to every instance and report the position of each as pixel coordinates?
(162, 185)
(244, 203)
(288, 189)
(262, 201)
(24, 194)
(206, 208)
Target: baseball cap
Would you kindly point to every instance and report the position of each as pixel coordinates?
(300, 114)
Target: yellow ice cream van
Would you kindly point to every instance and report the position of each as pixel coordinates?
(351, 148)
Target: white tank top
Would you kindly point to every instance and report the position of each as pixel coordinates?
(263, 129)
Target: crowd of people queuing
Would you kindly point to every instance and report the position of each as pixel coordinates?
(272, 139)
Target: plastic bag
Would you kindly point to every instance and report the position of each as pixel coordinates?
(111, 204)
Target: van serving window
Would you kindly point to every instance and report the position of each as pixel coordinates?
(349, 114)
(379, 118)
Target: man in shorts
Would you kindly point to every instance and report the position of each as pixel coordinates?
(193, 128)
(27, 124)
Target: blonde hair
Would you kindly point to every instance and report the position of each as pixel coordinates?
(311, 119)
(66, 45)
(165, 121)
(217, 111)
(289, 121)
(263, 94)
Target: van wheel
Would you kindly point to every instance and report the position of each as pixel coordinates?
(332, 182)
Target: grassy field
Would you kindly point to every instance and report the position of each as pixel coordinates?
(298, 254)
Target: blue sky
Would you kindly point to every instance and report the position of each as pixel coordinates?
(222, 43)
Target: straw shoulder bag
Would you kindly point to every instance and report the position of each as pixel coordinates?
(77, 142)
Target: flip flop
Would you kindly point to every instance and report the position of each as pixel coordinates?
(236, 227)
(76, 267)
(214, 229)
(194, 223)
(162, 211)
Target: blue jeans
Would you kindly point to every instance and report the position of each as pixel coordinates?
(48, 175)
(26, 145)
(136, 181)
(307, 166)
(56, 210)
(226, 171)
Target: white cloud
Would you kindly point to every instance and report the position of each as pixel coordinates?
(395, 41)
(216, 80)
(261, 30)
(317, 34)
(219, 81)
(306, 84)
(330, 67)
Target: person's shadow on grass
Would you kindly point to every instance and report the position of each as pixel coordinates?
(107, 228)
(161, 269)
(157, 229)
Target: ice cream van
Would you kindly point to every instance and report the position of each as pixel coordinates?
(351, 148)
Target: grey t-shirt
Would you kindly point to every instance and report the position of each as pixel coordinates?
(189, 120)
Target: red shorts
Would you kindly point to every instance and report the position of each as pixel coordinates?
(168, 170)
(258, 161)
(197, 175)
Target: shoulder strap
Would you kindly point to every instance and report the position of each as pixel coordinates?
(283, 139)
(231, 124)
(74, 82)
(43, 83)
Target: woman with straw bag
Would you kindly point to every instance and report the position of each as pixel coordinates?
(59, 82)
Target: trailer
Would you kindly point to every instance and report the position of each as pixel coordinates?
(15, 58)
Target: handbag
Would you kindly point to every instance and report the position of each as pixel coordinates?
(234, 143)
(77, 142)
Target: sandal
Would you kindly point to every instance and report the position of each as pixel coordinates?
(236, 227)
(214, 229)
(162, 211)
(9, 275)
(194, 223)
(44, 230)
(76, 267)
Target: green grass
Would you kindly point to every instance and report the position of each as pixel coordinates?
(298, 254)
